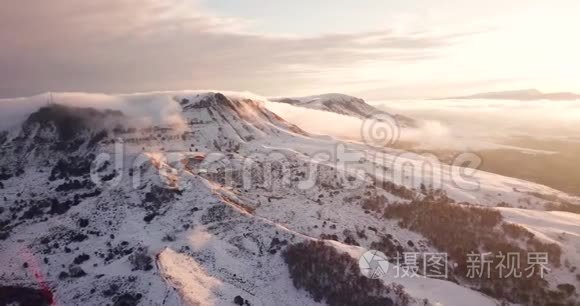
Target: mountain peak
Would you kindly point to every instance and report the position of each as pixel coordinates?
(209, 99)
(344, 105)
(241, 116)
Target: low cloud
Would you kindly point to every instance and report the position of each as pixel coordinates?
(140, 109)
(452, 124)
(429, 134)
(495, 119)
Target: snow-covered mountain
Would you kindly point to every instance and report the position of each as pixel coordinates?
(223, 205)
(344, 105)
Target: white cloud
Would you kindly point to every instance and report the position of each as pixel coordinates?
(136, 45)
(429, 134)
(495, 119)
(139, 108)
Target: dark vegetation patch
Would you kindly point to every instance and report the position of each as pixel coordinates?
(569, 208)
(110, 176)
(567, 289)
(83, 222)
(463, 229)
(127, 299)
(68, 146)
(5, 229)
(60, 238)
(394, 189)
(77, 237)
(3, 137)
(398, 190)
(81, 258)
(216, 213)
(556, 203)
(73, 166)
(239, 300)
(111, 290)
(168, 238)
(374, 203)
(59, 208)
(97, 138)
(68, 121)
(23, 296)
(118, 251)
(335, 277)
(34, 211)
(75, 185)
(158, 196)
(333, 237)
(276, 244)
(564, 206)
(90, 194)
(5, 174)
(349, 238)
(140, 260)
(389, 246)
(149, 217)
(76, 272)
(38, 208)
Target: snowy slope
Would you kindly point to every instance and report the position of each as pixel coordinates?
(342, 104)
(160, 225)
(562, 228)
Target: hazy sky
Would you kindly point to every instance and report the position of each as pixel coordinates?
(373, 49)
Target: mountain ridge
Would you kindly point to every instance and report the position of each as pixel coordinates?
(522, 95)
(202, 212)
(344, 105)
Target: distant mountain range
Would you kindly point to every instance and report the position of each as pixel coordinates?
(522, 95)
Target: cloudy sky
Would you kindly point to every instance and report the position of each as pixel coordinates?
(375, 49)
